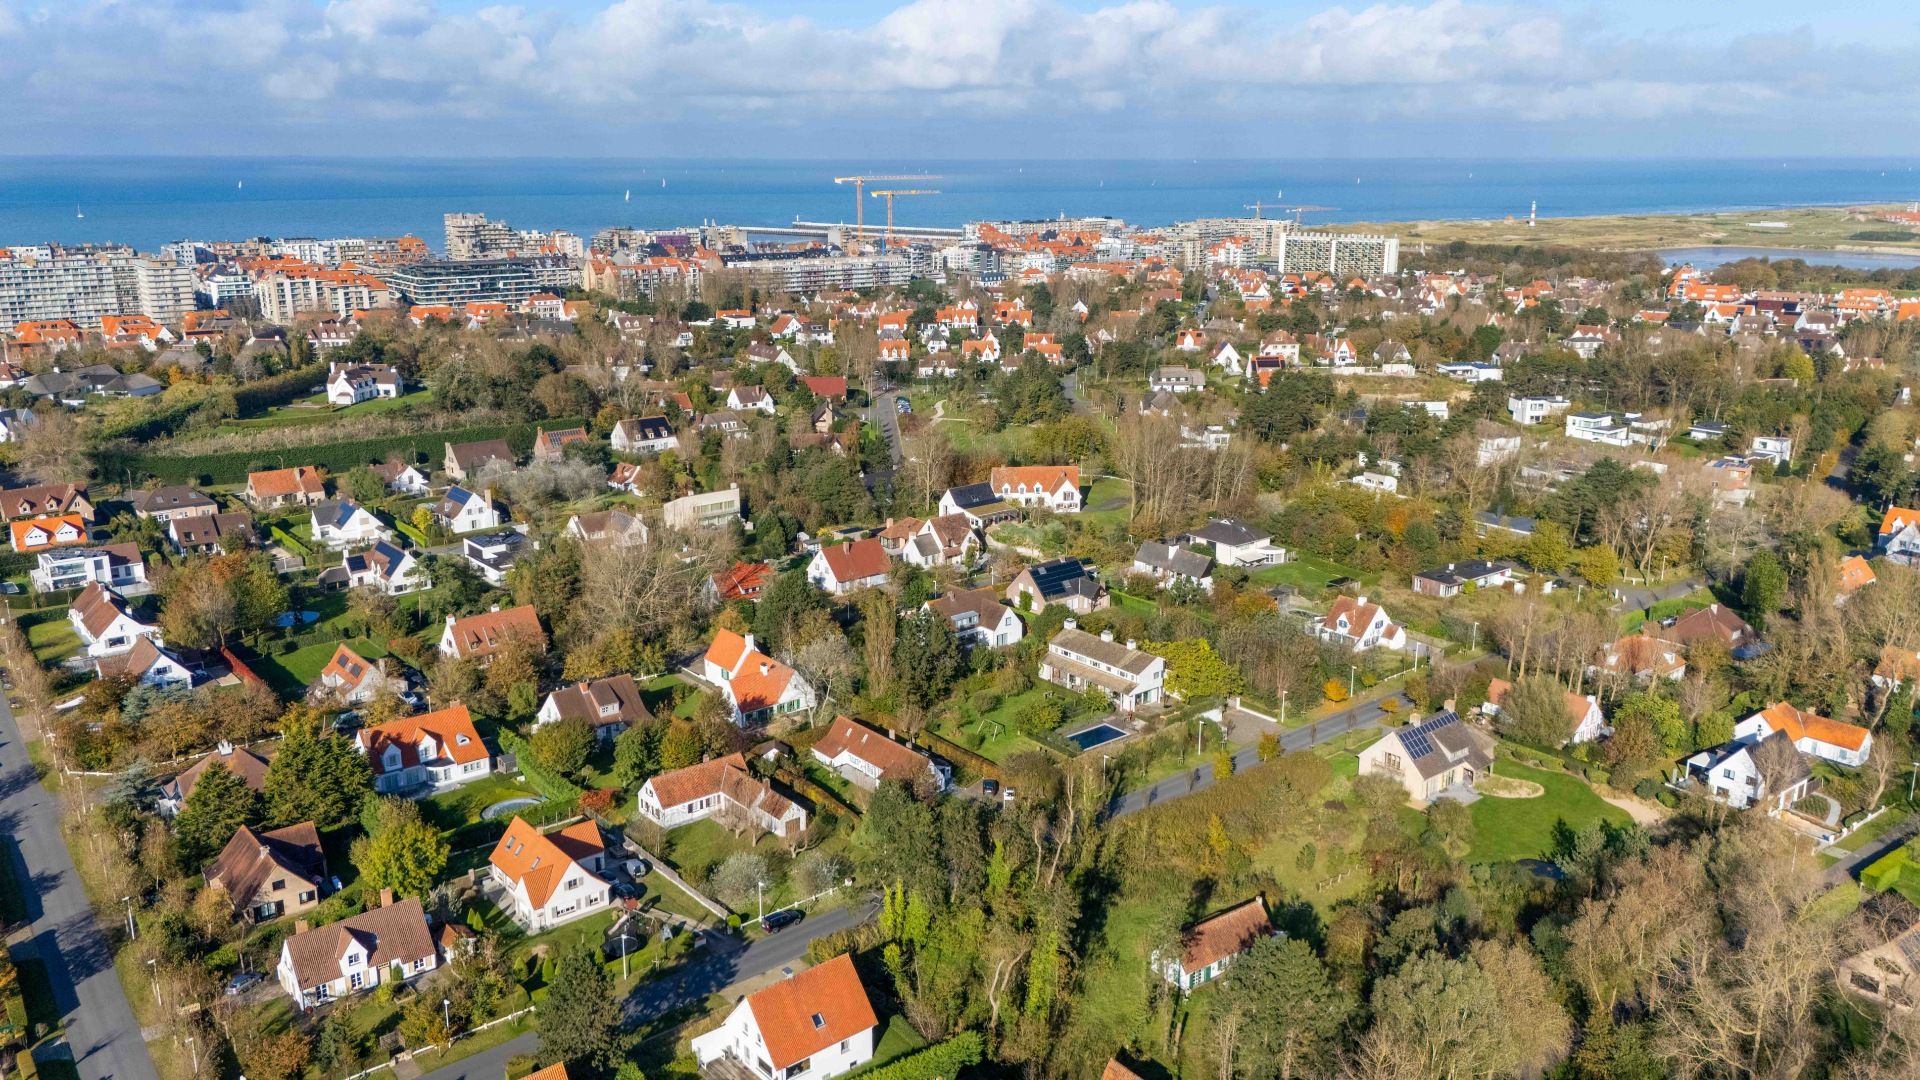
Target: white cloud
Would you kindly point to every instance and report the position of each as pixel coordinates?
(966, 67)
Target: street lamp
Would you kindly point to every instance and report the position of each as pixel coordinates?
(759, 897)
(195, 1051)
(133, 931)
(1283, 708)
(1476, 641)
(153, 978)
(1353, 672)
(446, 1017)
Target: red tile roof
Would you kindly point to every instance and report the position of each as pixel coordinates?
(1232, 931)
(856, 560)
(535, 859)
(803, 1015)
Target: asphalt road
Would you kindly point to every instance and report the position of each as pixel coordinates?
(720, 971)
(101, 1031)
(1363, 717)
(884, 415)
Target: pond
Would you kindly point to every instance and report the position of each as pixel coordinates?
(1097, 735)
(1709, 257)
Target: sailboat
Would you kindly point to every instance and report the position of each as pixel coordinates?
(77, 213)
(663, 181)
(629, 197)
(238, 184)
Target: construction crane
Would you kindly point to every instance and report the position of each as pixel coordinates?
(1256, 207)
(859, 209)
(889, 194)
(1296, 211)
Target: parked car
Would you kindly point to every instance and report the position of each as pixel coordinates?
(243, 982)
(990, 788)
(902, 405)
(775, 921)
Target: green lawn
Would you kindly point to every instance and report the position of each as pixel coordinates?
(1305, 572)
(1008, 740)
(1666, 609)
(315, 410)
(51, 635)
(461, 805)
(1107, 490)
(291, 673)
(898, 1040)
(1508, 829)
(697, 848)
(1872, 830)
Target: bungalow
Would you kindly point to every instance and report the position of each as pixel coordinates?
(1586, 722)
(1641, 657)
(351, 384)
(1711, 622)
(1476, 372)
(385, 567)
(391, 943)
(1485, 521)
(271, 873)
(1775, 448)
(428, 752)
(250, 767)
(1172, 563)
(644, 435)
(1748, 771)
(343, 524)
(1078, 661)
(1055, 487)
(1707, 431)
(117, 566)
(611, 526)
(552, 445)
(39, 534)
(809, 1026)
(1899, 537)
(722, 787)
(1068, 582)
(204, 535)
(757, 686)
(1454, 578)
(750, 399)
(845, 568)
(463, 511)
(1830, 740)
(103, 624)
(829, 387)
(478, 637)
(865, 757)
(302, 485)
(979, 503)
(1209, 946)
(611, 705)
(1356, 625)
(351, 679)
(1431, 756)
(1177, 380)
(463, 461)
(1235, 543)
(164, 504)
(552, 878)
(1855, 573)
(979, 618)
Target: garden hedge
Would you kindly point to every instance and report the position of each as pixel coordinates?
(941, 1061)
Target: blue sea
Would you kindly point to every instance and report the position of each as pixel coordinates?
(149, 201)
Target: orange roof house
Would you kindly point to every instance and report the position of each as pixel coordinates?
(38, 534)
(820, 1011)
(1210, 945)
(552, 877)
(478, 637)
(303, 484)
(1833, 740)
(434, 749)
(742, 581)
(1855, 573)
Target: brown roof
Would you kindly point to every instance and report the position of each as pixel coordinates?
(133, 663)
(721, 776)
(1117, 1071)
(242, 762)
(98, 606)
(590, 700)
(278, 483)
(473, 455)
(247, 860)
(482, 634)
(856, 560)
(984, 602)
(41, 499)
(536, 859)
(895, 761)
(347, 667)
(1712, 621)
(743, 581)
(1232, 931)
(397, 931)
(800, 1016)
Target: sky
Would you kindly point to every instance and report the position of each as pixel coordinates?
(959, 78)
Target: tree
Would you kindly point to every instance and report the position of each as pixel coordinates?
(400, 851)
(926, 657)
(1534, 711)
(1599, 564)
(316, 776)
(198, 610)
(738, 880)
(1438, 1017)
(1548, 550)
(219, 803)
(580, 1020)
(565, 745)
(636, 754)
(1763, 588)
(1294, 1011)
(363, 485)
(680, 746)
(1647, 728)
(785, 604)
(1195, 671)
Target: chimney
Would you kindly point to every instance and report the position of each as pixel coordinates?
(1106, 635)
(1070, 624)
(765, 667)
(386, 897)
(300, 926)
(1132, 645)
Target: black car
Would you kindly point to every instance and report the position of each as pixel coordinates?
(775, 921)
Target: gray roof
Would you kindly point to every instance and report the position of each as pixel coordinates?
(1064, 577)
(1461, 573)
(1442, 741)
(1229, 531)
(1173, 559)
(1112, 653)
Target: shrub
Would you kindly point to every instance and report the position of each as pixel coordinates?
(1305, 858)
(519, 1065)
(1647, 788)
(598, 801)
(1334, 690)
(941, 1060)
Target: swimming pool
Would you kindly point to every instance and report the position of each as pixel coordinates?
(1098, 734)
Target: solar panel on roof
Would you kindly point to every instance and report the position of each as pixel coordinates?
(1418, 739)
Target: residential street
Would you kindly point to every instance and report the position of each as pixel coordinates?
(721, 971)
(1363, 717)
(101, 1030)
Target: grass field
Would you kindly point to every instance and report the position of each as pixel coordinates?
(291, 673)
(1508, 829)
(51, 635)
(461, 805)
(1666, 609)
(1307, 573)
(1813, 228)
(315, 410)
(1112, 494)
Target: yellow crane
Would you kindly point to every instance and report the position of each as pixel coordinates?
(859, 209)
(889, 194)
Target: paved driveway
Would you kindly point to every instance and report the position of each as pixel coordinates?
(101, 1030)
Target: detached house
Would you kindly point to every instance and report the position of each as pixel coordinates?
(164, 504)
(1170, 564)
(39, 534)
(104, 625)
(940, 541)
(551, 878)
(645, 435)
(611, 705)
(1236, 543)
(351, 384)
(1431, 756)
(1746, 772)
(979, 618)
(343, 524)
(1899, 537)
(1830, 740)
(1585, 720)
(722, 787)
(1055, 487)
(755, 684)
(302, 485)
(1078, 660)
(465, 460)
(865, 757)
(845, 568)
(478, 637)
(385, 567)
(1454, 578)
(391, 943)
(250, 767)
(271, 873)
(463, 511)
(351, 679)
(1209, 946)
(1067, 582)
(979, 504)
(1356, 625)
(809, 1026)
(431, 751)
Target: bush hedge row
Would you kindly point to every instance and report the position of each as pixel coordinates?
(549, 784)
(262, 394)
(941, 1060)
(232, 466)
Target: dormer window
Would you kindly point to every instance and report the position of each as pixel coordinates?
(461, 740)
(819, 1021)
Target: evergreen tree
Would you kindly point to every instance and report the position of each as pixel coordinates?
(316, 776)
(220, 803)
(580, 1020)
